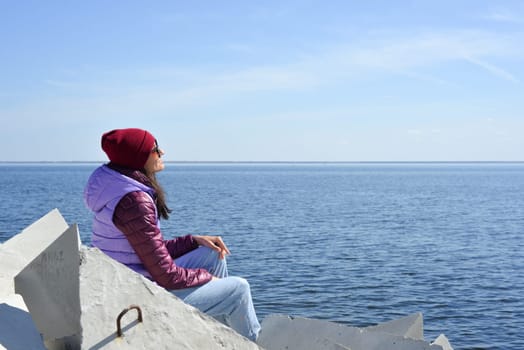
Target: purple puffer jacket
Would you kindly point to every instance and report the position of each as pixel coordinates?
(125, 227)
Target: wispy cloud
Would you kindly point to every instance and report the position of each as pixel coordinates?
(403, 55)
(169, 88)
(428, 49)
(496, 71)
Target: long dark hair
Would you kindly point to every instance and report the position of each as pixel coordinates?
(150, 180)
(161, 204)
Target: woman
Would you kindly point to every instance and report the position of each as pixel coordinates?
(128, 202)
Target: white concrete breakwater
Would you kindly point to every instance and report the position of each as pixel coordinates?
(57, 294)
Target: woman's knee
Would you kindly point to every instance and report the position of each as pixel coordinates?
(242, 282)
(207, 251)
(241, 286)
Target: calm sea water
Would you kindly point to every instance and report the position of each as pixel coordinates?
(356, 243)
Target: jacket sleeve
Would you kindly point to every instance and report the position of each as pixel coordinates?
(180, 245)
(135, 216)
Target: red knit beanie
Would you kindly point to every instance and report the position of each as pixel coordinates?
(128, 147)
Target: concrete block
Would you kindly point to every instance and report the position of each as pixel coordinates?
(23, 248)
(326, 344)
(284, 332)
(75, 296)
(443, 341)
(107, 288)
(50, 287)
(17, 330)
(411, 326)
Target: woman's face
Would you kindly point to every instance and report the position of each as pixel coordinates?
(154, 163)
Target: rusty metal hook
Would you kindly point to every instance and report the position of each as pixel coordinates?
(118, 328)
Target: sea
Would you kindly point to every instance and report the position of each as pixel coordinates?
(354, 243)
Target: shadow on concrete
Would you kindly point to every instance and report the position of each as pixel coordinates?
(18, 331)
(104, 342)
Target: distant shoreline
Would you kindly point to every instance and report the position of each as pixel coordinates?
(286, 162)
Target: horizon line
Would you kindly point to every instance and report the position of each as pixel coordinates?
(264, 161)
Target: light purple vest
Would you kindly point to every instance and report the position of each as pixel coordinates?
(104, 189)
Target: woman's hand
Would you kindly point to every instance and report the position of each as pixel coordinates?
(214, 242)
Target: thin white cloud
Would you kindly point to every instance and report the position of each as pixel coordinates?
(429, 49)
(165, 89)
(403, 55)
(399, 55)
(496, 71)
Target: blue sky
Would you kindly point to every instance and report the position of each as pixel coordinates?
(267, 80)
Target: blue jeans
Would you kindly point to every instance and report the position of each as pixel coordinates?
(227, 299)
